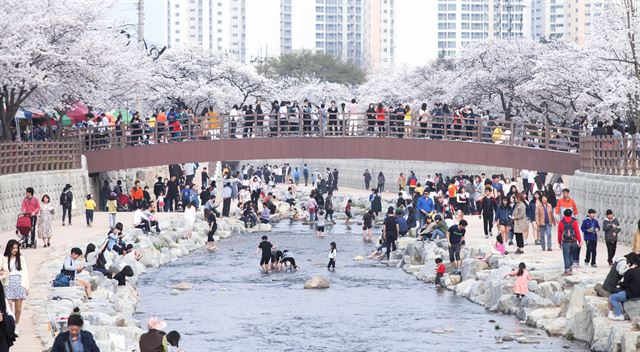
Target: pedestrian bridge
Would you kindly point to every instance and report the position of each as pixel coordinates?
(470, 141)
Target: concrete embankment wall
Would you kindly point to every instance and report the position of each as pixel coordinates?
(601, 192)
(13, 187)
(351, 171)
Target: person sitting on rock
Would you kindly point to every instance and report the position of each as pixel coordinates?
(121, 277)
(265, 215)
(610, 284)
(426, 230)
(154, 340)
(630, 286)
(520, 288)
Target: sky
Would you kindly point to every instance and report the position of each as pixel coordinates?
(416, 26)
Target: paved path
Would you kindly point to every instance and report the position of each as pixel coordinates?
(79, 235)
(64, 238)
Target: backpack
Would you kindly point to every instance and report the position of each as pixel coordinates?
(568, 233)
(63, 198)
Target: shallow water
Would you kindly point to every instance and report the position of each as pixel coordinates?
(369, 307)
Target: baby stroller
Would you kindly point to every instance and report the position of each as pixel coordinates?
(23, 229)
(124, 203)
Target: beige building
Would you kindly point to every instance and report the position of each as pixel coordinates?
(379, 32)
(568, 19)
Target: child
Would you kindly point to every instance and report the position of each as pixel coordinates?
(213, 227)
(112, 209)
(320, 225)
(161, 201)
(367, 225)
(288, 260)
(590, 228)
(377, 253)
(498, 249)
(332, 257)
(89, 206)
(520, 288)
(440, 270)
(347, 211)
(265, 246)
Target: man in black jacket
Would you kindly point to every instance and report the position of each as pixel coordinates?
(75, 338)
(158, 187)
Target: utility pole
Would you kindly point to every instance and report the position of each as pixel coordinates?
(140, 44)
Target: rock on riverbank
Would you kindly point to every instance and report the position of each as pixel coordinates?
(564, 306)
(110, 314)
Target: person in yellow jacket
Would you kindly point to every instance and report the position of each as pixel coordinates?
(407, 121)
(496, 136)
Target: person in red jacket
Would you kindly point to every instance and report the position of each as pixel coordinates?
(31, 206)
(568, 239)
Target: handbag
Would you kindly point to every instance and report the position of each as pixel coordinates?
(62, 280)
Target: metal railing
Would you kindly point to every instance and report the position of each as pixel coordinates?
(610, 155)
(387, 125)
(19, 157)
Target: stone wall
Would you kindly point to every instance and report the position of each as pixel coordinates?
(351, 171)
(601, 192)
(12, 191)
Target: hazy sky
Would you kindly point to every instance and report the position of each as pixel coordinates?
(416, 26)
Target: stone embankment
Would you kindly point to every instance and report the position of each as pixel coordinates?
(561, 305)
(110, 314)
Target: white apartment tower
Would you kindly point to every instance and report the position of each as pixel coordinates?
(351, 30)
(462, 22)
(217, 25)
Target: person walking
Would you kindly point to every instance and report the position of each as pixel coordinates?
(45, 220)
(381, 182)
(15, 278)
(305, 174)
(66, 201)
(390, 231)
(611, 228)
(545, 220)
(568, 239)
(173, 190)
(487, 209)
(31, 207)
(520, 224)
(590, 228)
(367, 178)
(226, 199)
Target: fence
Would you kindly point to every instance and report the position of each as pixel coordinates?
(610, 155)
(192, 128)
(19, 157)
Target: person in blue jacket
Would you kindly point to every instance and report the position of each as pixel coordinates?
(424, 206)
(504, 218)
(403, 227)
(590, 228)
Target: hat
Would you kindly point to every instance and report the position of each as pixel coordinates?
(156, 324)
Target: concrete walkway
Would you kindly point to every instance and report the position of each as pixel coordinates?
(64, 238)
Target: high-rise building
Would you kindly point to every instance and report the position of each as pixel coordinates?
(379, 33)
(567, 19)
(462, 22)
(351, 30)
(217, 25)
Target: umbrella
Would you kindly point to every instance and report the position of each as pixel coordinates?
(77, 113)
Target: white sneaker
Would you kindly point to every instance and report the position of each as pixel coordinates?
(612, 316)
(17, 332)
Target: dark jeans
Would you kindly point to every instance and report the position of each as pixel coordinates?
(568, 248)
(34, 222)
(389, 244)
(226, 206)
(487, 221)
(591, 252)
(576, 256)
(66, 210)
(89, 215)
(146, 225)
(170, 203)
(519, 240)
(332, 264)
(611, 251)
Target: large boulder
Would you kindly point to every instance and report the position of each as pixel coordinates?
(471, 266)
(317, 282)
(632, 309)
(532, 300)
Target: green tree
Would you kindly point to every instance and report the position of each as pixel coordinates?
(310, 65)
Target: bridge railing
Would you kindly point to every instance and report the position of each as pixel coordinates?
(19, 157)
(610, 155)
(387, 125)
